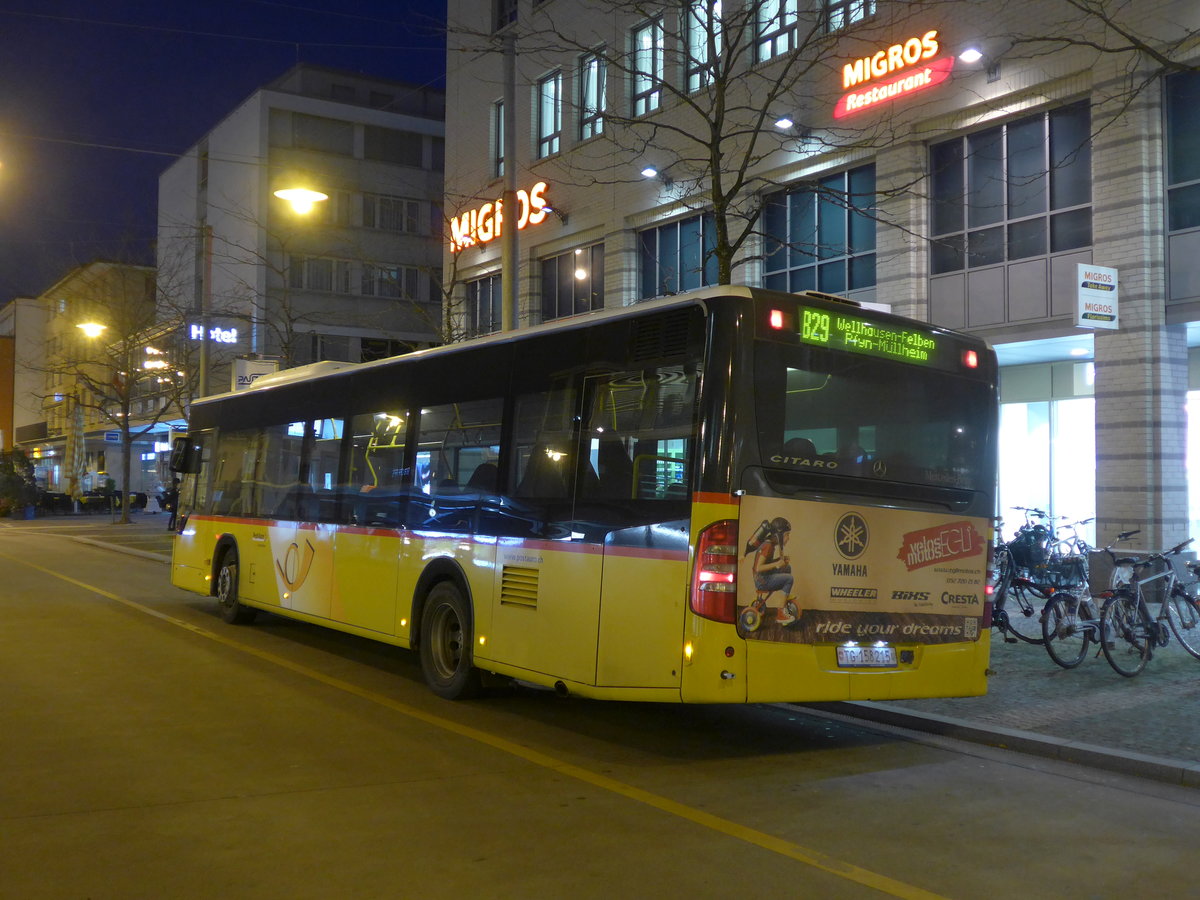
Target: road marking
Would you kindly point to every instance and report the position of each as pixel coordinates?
(806, 855)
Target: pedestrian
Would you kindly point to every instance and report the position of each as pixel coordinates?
(171, 499)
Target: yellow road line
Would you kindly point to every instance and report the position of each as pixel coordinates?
(806, 855)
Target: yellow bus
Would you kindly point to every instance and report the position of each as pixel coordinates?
(728, 496)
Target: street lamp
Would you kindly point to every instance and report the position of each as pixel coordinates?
(91, 329)
(302, 199)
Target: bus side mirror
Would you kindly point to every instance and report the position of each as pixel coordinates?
(185, 456)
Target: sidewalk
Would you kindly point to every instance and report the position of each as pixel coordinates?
(1147, 726)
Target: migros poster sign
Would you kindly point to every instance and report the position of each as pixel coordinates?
(891, 73)
(486, 222)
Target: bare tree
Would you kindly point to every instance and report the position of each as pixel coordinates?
(715, 125)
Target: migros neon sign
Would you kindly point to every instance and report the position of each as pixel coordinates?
(910, 65)
(486, 223)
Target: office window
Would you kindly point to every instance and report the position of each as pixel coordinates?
(335, 210)
(386, 280)
(498, 138)
(1013, 191)
(677, 257)
(405, 148)
(593, 77)
(483, 312)
(702, 38)
(841, 14)
(549, 114)
(821, 235)
(322, 134)
(312, 273)
(1181, 100)
(391, 213)
(647, 67)
(504, 13)
(573, 282)
(777, 24)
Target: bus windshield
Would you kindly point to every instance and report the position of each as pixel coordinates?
(821, 411)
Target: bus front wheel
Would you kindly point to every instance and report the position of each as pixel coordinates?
(232, 610)
(446, 657)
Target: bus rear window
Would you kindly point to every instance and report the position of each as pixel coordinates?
(821, 411)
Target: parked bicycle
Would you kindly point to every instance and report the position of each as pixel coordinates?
(1071, 621)
(1129, 633)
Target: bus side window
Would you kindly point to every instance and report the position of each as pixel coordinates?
(375, 473)
(454, 442)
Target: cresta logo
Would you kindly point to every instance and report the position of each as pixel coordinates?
(891, 59)
(486, 223)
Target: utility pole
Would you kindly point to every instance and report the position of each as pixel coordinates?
(511, 209)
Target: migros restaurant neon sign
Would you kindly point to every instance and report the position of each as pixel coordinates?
(486, 223)
(892, 72)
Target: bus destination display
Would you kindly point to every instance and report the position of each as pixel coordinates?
(840, 331)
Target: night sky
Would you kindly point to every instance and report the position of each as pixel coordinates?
(96, 99)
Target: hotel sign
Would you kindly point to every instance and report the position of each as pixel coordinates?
(891, 73)
(486, 222)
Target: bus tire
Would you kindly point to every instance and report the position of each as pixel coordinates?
(446, 643)
(232, 610)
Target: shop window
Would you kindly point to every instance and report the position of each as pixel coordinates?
(821, 235)
(573, 282)
(1014, 191)
(678, 256)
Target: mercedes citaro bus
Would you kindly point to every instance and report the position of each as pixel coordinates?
(727, 496)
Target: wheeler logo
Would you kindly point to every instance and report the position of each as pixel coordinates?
(850, 536)
(940, 544)
(853, 593)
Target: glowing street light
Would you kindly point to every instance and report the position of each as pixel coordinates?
(91, 329)
(302, 199)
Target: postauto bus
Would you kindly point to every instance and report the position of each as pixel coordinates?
(728, 496)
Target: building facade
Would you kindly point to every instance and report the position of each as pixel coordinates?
(357, 276)
(984, 168)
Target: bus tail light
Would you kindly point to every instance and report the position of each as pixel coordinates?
(989, 588)
(714, 582)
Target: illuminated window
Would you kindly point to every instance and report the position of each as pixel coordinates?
(573, 282)
(678, 256)
(702, 36)
(647, 67)
(841, 14)
(592, 85)
(1013, 191)
(821, 236)
(777, 22)
(549, 114)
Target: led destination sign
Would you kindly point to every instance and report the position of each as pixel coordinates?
(840, 331)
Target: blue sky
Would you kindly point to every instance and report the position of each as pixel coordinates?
(96, 98)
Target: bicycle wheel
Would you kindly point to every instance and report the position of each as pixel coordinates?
(1123, 636)
(1067, 638)
(1023, 606)
(1183, 615)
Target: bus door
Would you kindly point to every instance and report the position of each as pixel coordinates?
(638, 442)
(548, 568)
(367, 543)
(299, 493)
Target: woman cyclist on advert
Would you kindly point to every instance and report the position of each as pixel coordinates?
(772, 574)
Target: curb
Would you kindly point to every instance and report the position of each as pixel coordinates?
(131, 551)
(1125, 762)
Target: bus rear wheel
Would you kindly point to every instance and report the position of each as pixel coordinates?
(446, 635)
(232, 610)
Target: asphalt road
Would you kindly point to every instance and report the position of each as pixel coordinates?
(149, 750)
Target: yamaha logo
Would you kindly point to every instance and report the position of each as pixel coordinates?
(850, 535)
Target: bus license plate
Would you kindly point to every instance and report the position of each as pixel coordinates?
(866, 657)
